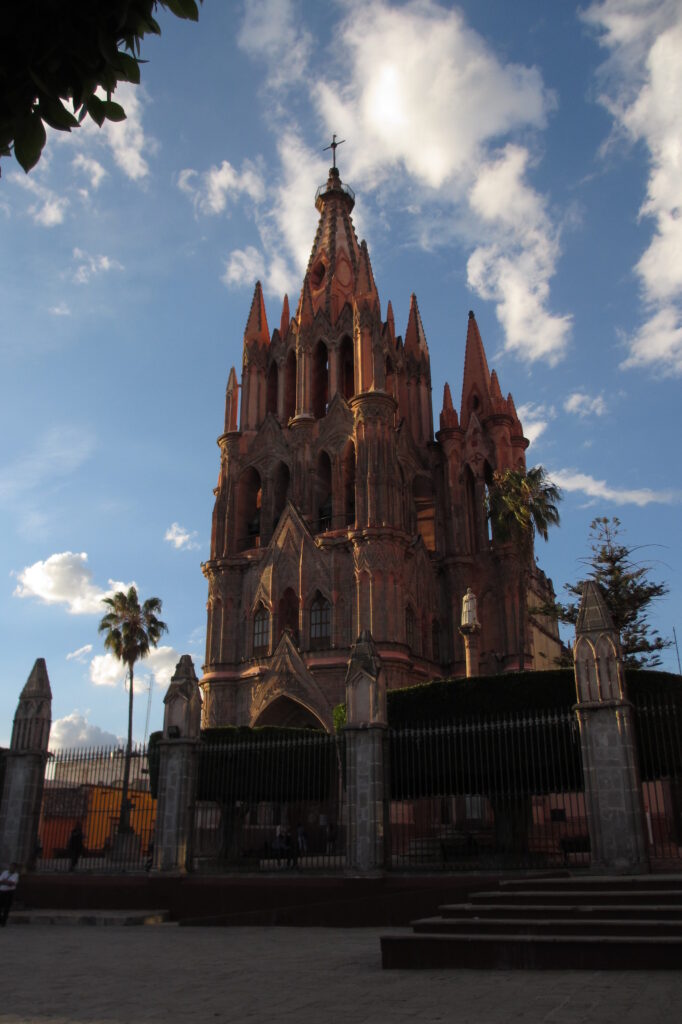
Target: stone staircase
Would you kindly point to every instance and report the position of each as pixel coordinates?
(590, 923)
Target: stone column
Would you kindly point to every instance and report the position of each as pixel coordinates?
(22, 792)
(613, 789)
(367, 777)
(178, 770)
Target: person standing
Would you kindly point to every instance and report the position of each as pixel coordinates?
(9, 880)
(76, 844)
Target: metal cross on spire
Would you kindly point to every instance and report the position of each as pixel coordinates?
(333, 144)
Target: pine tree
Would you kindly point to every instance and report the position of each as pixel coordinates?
(628, 591)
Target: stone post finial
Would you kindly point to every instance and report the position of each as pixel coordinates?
(33, 717)
(470, 629)
(365, 684)
(182, 703)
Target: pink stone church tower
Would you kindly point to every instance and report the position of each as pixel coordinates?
(337, 511)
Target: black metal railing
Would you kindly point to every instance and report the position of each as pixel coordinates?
(268, 803)
(659, 743)
(504, 791)
(81, 810)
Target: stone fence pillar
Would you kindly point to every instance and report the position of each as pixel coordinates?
(22, 793)
(178, 770)
(366, 747)
(613, 788)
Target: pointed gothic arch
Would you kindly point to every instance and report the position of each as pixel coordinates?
(348, 475)
(320, 380)
(346, 369)
(272, 388)
(287, 712)
(249, 501)
(323, 491)
(290, 386)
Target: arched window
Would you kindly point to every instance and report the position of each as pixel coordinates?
(320, 380)
(271, 399)
(346, 369)
(249, 499)
(261, 631)
(288, 613)
(320, 622)
(410, 628)
(323, 492)
(281, 479)
(290, 387)
(425, 508)
(349, 483)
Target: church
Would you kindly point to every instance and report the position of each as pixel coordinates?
(337, 509)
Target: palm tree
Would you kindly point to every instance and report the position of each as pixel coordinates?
(522, 504)
(130, 631)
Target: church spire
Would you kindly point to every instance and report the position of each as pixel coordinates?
(415, 339)
(257, 324)
(476, 382)
(284, 321)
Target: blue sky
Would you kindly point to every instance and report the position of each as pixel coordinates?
(523, 160)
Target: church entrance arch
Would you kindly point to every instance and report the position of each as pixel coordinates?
(287, 712)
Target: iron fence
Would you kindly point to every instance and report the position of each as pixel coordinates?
(659, 742)
(81, 810)
(270, 803)
(503, 791)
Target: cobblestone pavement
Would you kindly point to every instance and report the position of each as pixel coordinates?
(307, 976)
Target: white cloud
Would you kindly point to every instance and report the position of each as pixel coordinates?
(90, 266)
(49, 208)
(271, 32)
(585, 405)
(658, 342)
(91, 167)
(127, 139)
(210, 191)
(79, 655)
(74, 731)
(106, 670)
(535, 419)
(515, 269)
(642, 85)
(66, 579)
(243, 266)
(572, 480)
(181, 538)
(61, 309)
(58, 453)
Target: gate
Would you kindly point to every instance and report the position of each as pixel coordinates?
(659, 741)
(270, 803)
(83, 789)
(488, 793)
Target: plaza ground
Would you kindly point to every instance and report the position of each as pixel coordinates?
(107, 975)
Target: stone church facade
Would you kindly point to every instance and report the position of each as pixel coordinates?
(338, 511)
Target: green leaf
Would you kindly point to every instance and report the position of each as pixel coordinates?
(183, 9)
(56, 115)
(29, 140)
(114, 111)
(129, 68)
(96, 109)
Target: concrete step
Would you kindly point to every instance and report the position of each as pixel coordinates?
(90, 917)
(555, 926)
(592, 895)
(532, 952)
(549, 911)
(588, 883)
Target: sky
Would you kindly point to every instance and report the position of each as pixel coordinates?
(522, 160)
